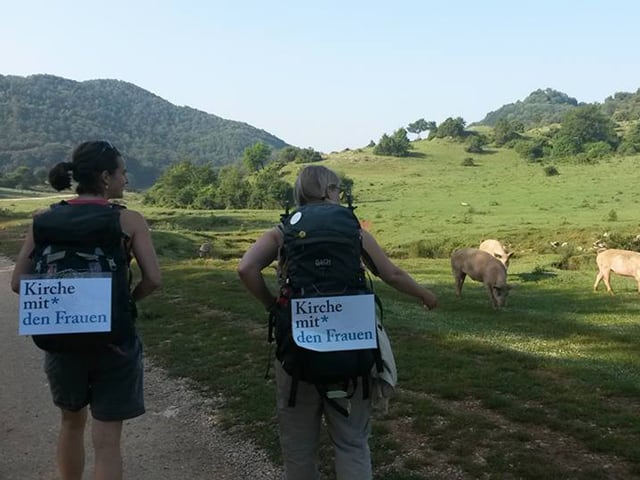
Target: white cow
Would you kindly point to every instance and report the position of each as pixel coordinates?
(623, 262)
(495, 248)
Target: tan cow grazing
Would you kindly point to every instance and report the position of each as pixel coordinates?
(623, 262)
(495, 248)
(481, 267)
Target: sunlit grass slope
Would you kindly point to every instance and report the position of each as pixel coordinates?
(431, 196)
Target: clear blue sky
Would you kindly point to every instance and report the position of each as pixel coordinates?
(332, 74)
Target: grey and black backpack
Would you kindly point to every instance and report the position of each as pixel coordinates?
(321, 256)
(72, 240)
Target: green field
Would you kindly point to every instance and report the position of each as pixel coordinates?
(549, 387)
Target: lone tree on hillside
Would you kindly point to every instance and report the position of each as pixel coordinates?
(256, 156)
(451, 127)
(397, 145)
(420, 126)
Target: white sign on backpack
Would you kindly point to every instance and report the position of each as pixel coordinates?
(329, 324)
(80, 304)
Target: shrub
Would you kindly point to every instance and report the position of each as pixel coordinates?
(598, 150)
(627, 148)
(584, 159)
(530, 150)
(430, 248)
(564, 263)
(6, 213)
(468, 162)
(551, 171)
(475, 145)
(623, 242)
(585, 260)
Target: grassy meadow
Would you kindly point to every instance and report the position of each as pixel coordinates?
(547, 388)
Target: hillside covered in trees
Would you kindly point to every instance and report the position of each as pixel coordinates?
(548, 106)
(42, 117)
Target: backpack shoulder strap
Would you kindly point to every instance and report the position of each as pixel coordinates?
(369, 263)
(117, 206)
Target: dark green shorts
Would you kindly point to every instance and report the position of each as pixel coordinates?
(110, 382)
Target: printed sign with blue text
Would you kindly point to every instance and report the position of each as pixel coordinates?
(65, 305)
(329, 324)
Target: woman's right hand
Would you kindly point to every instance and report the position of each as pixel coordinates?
(429, 300)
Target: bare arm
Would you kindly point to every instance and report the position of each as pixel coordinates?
(259, 256)
(24, 264)
(136, 227)
(394, 276)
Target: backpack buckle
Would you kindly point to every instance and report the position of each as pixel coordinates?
(337, 394)
(54, 257)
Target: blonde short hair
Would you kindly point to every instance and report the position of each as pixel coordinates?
(313, 184)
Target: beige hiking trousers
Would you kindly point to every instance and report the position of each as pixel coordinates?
(300, 431)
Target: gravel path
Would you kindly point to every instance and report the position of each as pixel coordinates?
(177, 439)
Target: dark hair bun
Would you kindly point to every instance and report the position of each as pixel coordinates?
(60, 176)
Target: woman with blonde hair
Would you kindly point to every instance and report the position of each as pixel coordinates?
(300, 425)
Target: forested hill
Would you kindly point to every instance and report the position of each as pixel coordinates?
(541, 107)
(547, 106)
(42, 117)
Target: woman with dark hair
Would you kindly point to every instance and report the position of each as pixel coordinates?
(319, 187)
(107, 380)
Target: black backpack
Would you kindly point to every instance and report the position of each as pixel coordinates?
(71, 240)
(321, 257)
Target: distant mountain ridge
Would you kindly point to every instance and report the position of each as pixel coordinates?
(42, 117)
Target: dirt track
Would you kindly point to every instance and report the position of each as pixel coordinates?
(176, 439)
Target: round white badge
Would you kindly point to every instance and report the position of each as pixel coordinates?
(295, 218)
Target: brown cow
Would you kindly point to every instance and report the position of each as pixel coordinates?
(481, 267)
